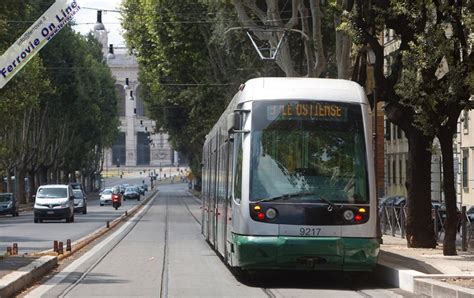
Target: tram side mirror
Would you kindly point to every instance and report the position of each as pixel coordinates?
(233, 122)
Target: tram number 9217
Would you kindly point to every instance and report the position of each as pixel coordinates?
(310, 231)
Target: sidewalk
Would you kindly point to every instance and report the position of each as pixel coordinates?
(426, 271)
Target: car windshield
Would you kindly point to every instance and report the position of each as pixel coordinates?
(52, 193)
(78, 193)
(130, 189)
(107, 191)
(5, 198)
(308, 147)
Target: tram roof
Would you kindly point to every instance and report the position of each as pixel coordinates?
(302, 88)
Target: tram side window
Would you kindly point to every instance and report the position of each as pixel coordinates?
(238, 170)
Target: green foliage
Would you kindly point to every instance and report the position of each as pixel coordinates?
(188, 69)
(62, 107)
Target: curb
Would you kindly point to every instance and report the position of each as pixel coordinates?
(25, 276)
(433, 287)
(420, 283)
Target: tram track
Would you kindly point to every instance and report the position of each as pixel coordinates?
(164, 267)
(101, 258)
(268, 292)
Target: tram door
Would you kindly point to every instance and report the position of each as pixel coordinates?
(207, 193)
(213, 190)
(221, 196)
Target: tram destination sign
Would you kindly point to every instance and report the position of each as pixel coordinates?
(307, 110)
(36, 37)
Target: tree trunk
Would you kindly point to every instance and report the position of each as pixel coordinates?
(10, 187)
(32, 181)
(20, 186)
(446, 140)
(419, 224)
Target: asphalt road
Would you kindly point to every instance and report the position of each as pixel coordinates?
(38, 237)
(160, 253)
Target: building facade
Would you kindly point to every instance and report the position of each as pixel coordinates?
(140, 143)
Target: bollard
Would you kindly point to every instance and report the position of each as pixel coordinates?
(55, 246)
(60, 248)
(15, 249)
(9, 251)
(108, 224)
(68, 245)
(463, 229)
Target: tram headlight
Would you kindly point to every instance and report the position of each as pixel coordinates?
(348, 215)
(271, 213)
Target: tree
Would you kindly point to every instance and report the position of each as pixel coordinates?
(317, 22)
(425, 90)
(187, 73)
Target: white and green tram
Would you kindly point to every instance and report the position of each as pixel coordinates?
(288, 177)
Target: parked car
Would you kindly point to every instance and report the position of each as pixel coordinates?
(80, 201)
(8, 204)
(141, 190)
(392, 201)
(470, 214)
(54, 202)
(106, 196)
(77, 185)
(443, 214)
(131, 193)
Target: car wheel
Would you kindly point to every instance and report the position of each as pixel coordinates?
(101, 204)
(17, 213)
(36, 220)
(41, 221)
(68, 219)
(84, 211)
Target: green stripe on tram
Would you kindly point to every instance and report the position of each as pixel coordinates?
(306, 253)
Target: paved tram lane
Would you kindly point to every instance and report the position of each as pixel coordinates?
(161, 253)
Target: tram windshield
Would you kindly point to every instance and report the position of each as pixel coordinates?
(307, 151)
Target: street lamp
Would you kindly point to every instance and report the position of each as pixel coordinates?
(111, 54)
(127, 84)
(99, 26)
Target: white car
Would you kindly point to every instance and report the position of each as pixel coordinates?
(106, 197)
(54, 202)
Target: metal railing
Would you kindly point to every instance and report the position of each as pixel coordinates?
(393, 219)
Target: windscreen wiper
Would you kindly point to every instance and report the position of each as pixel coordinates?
(331, 206)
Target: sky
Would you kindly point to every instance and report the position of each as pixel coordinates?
(86, 18)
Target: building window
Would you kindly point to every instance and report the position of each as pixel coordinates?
(388, 133)
(466, 121)
(143, 148)
(400, 178)
(465, 169)
(389, 179)
(394, 169)
(118, 150)
(120, 99)
(141, 107)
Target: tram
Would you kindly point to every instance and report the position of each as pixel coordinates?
(288, 177)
